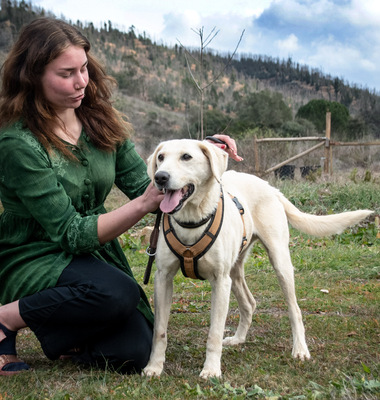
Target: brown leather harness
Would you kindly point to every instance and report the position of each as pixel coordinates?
(189, 255)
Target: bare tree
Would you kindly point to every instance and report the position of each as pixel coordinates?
(200, 84)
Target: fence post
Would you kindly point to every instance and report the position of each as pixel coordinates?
(256, 153)
(328, 148)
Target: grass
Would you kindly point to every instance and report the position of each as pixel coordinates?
(337, 280)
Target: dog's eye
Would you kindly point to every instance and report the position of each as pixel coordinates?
(160, 157)
(186, 157)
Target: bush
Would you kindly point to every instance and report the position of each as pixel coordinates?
(315, 111)
(298, 128)
(263, 109)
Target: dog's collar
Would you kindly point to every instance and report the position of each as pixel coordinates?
(192, 225)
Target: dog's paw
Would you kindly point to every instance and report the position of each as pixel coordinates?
(210, 373)
(232, 341)
(301, 354)
(151, 370)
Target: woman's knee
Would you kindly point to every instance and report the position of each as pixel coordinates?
(134, 360)
(117, 298)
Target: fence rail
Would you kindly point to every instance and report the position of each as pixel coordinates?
(325, 141)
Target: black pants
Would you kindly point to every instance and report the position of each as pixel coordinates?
(93, 308)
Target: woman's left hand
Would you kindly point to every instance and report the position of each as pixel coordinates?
(229, 146)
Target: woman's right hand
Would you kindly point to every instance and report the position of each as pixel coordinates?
(152, 198)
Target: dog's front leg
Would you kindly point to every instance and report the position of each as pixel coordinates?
(220, 298)
(163, 294)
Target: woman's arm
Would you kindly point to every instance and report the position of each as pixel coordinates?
(116, 222)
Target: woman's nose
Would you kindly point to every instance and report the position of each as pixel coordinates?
(81, 82)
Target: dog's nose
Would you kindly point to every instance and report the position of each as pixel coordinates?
(161, 178)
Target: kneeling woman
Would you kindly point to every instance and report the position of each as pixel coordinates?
(62, 148)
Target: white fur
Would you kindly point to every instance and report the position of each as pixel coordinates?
(266, 217)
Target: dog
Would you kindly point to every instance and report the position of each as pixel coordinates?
(193, 174)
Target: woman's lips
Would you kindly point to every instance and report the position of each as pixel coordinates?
(78, 98)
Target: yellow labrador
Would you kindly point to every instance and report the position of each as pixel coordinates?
(193, 175)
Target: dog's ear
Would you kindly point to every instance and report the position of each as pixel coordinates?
(218, 159)
(151, 162)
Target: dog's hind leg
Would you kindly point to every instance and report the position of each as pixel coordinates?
(285, 275)
(246, 302)
(280, 258)
(275, 237)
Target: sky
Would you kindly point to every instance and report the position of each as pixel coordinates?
(340, 38)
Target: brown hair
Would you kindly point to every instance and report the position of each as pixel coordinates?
(21, 96)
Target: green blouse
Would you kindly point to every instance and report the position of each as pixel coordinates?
(51, 207)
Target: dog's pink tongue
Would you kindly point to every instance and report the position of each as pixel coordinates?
(170, 201)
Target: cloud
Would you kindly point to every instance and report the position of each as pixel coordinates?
(287, 46)
(364, 13)
(179, 25)
(339, 37)
(184, 27)
(338, 60)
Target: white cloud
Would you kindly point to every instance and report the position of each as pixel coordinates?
(287, 46)
(179, 26)
(339, 60)
(364, 13)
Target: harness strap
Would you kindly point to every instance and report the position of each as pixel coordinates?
(241, 211)
(190, 254)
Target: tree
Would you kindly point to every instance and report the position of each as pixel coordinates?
(215, 121)
(315, 111)
(261, 110)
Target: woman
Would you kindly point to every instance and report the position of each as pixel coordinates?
(62, 147)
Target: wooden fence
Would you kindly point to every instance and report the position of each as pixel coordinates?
(323, 141)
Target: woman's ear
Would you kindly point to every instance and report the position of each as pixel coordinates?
(218, 159)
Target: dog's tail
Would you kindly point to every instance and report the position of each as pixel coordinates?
(321, 225)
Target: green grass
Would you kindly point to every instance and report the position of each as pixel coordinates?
(342, 326)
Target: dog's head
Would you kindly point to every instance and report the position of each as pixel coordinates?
(183, 167)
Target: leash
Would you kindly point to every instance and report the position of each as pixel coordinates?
(151, 250)
(216, 140)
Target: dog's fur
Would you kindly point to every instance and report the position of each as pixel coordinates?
(267, 212)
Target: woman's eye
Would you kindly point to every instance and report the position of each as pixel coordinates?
(186, 157)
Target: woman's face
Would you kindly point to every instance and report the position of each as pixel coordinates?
(65, 79)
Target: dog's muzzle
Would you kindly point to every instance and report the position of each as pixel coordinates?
(161, 178)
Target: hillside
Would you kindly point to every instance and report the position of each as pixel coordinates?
(158, 94)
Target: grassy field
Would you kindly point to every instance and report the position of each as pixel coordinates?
(337, 280)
